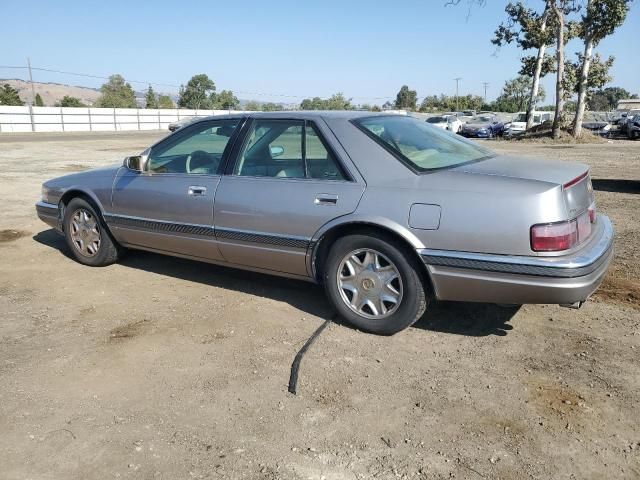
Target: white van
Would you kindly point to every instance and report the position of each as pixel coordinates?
(518, 124)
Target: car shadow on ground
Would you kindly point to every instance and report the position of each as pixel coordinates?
(616, 185)
(470, 319)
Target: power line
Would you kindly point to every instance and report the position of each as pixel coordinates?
(144, 82)
(485, 85)
(88, 75)
(457, 79)
(241, 92)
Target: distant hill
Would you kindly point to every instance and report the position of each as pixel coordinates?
(52, 92)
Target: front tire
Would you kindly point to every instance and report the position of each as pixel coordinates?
(87, 235)
(374, 284)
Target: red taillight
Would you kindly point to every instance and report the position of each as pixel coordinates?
(553, 237)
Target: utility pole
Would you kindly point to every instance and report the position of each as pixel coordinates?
(33, 90)
(457, 79)
(485, 85)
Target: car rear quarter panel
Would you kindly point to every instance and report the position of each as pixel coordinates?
(478, 213)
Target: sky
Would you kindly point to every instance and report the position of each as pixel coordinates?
(283, 50)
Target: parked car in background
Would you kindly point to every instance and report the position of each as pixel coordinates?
(483, 126)
(518, 124)
(633, 127)
(624, 122)
(466, 115)
(600, 128)
(183, 122)
(617, 116)
(384, 210)
(446, 122)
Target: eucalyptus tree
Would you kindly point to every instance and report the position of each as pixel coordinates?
(599, 20)
(529, 30)
(565, 29)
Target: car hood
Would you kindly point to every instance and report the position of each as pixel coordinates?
(550, 171)
(78, 178)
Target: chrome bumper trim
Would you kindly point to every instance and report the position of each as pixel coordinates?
(587, 260)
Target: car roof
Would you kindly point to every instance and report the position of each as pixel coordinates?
(305, 114)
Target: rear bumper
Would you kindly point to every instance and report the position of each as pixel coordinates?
(49, 214)
(471, 277)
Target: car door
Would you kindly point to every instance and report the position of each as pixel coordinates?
(286, 182)
(169, 205)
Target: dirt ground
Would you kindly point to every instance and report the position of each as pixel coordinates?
(161, 368)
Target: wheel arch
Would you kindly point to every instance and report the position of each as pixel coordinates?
(324, 239)
(78, 192)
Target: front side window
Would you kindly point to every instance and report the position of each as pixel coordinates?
(419, 145)
(286, 149)
(197, 151)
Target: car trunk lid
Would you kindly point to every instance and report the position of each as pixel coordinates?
(573, 177)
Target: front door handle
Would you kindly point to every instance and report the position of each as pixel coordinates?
(197, 191)
(326, 199)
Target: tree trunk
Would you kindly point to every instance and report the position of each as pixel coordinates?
(536, 76)
(560, 73)
(582, 88)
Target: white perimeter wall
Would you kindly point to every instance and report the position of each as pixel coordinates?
(83, 119)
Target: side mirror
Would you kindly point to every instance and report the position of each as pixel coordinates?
(135, 163)
(276, 151)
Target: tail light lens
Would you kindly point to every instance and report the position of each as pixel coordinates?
(592, 212)
(555, 237)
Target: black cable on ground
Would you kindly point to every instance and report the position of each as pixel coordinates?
(295, 366)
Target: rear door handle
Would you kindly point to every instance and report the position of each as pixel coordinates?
(196, 191)
(326, 199)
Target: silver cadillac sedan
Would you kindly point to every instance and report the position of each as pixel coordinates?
(386, 211)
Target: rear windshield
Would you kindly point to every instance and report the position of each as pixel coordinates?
(420, 145)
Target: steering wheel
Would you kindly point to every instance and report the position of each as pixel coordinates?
(196, 153)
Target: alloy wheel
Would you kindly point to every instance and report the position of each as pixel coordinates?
(85, 232)
(369, 283)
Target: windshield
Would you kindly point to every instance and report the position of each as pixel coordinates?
(521, 117)
(420, 145)
(436, 120)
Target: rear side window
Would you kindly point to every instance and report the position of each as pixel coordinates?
(287, 149)
(419, 145)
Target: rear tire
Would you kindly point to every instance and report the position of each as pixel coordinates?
(87, 235)
(374, 283)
